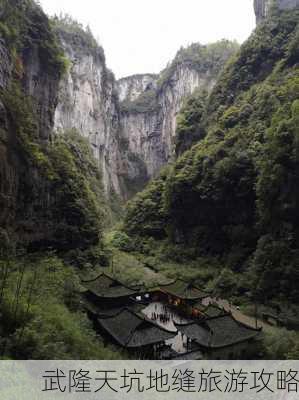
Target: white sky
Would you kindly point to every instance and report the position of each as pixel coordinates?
(141, 36)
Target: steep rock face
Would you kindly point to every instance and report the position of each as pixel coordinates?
(41, 83)
(5, 65)
(150, 134)
(263, 7)
(88, 103)
(149, 119)
(130, 124)
(29, 78)
(131, 87)
(50, 189)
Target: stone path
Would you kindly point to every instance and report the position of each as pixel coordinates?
(237, 314)
(179, 342)
(158, 309)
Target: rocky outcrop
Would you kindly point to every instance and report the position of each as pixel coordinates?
(150, 133)
(263, 7)
(88, 103)
(131, 87)
(50, 189)
(131, 123)
(30, 71)
(41, 83)
(148, 120)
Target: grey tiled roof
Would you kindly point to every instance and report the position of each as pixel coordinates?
(218, 332)
(107, 287)
(100, 311)
(184, 290)
(104, 311)
(212, 311)
(132, 330)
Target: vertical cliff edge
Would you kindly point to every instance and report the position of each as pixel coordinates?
(148, 118)
(51, 192)
(130, 123)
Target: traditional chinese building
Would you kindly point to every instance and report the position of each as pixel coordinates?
(108, 292)
(181, 291)
(207, 331)
(135, 332)
(183, 295)
(221, 337)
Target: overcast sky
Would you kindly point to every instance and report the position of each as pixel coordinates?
(141, 36)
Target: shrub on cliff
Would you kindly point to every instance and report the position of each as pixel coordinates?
(204, 58)
(24, 25)
(145, 214)
(189, 128)
(79, 209)
(76, 208)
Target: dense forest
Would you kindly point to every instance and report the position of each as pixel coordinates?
(233, 196)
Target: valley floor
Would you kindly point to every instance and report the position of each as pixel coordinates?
(130, 268)
(134, 268)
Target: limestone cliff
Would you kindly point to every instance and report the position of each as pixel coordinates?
(131, 87)
(263, 7)
(29, 78)
(131, 123)
(50, 188)
(88, 100)
(150, 105)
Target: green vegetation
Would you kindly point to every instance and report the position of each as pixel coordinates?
(233, 196)
(203, 58)
(224, 215)
(41, 312)
(145, 214)
(189, 129)
(120, 240)
(80, 203)
(65, 26)
(149, 262)
(271, 43)
(78, 214)
(53, 203)
(280, 344)
(72, 211)
(147, 102)
(24, 26)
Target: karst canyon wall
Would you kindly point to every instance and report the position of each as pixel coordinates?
(130, 123)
